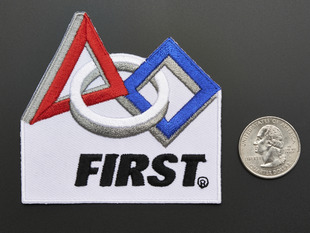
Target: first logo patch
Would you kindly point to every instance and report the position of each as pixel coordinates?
(118, 128)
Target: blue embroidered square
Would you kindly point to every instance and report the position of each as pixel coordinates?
(207, 86)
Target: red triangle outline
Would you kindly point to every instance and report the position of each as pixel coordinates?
(86, 33)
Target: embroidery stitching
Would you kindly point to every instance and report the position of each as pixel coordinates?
(81, 32)
(116, 127)
(188, 72)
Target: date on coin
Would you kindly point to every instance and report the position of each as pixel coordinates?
(269, 147)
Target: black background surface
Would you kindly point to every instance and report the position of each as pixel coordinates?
(258, 51)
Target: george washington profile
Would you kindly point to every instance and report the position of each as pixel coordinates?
(269, 144)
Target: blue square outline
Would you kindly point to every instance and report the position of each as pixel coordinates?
(207, 86)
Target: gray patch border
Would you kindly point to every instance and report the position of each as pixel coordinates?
(53, 67)
(166, 141)
(184, 78)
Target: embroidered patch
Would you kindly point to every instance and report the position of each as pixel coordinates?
(118, 128)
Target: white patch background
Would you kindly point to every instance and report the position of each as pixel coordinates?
(51, 150)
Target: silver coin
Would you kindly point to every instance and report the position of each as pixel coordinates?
(269, 147)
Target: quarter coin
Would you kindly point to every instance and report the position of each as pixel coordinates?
(269, 147)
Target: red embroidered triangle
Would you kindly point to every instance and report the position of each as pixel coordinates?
(86, 33)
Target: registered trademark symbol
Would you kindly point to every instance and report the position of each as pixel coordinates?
(203, 182)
